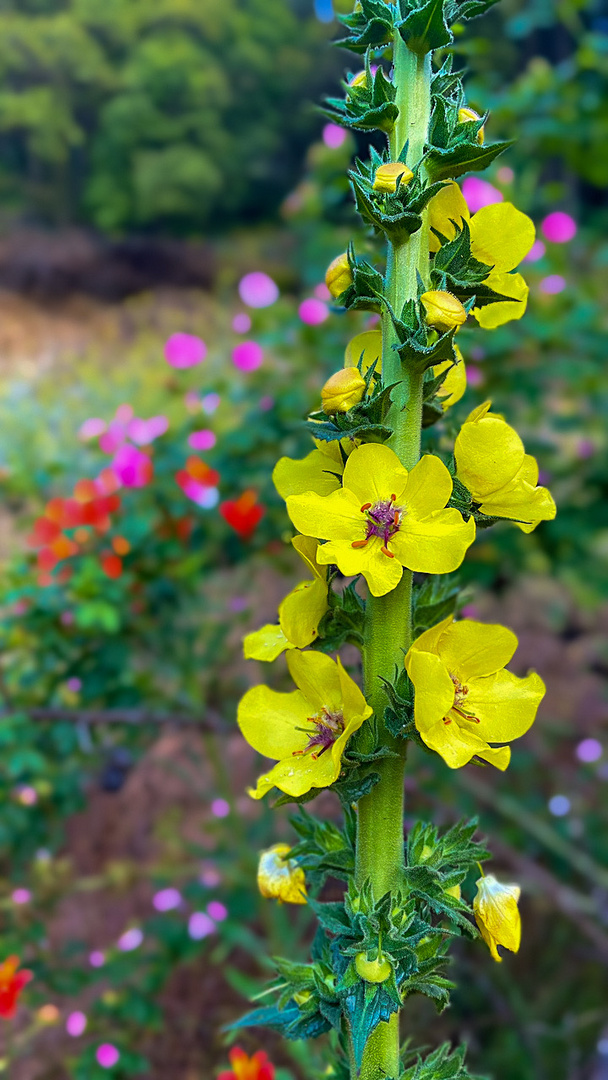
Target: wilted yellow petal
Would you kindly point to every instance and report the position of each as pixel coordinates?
(279, 877)
(497, 914)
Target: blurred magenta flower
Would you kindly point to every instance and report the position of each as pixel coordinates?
(322, 292)
(210, 877)
(21, 896)
(107, 1056)
(553, 284)
(505, 175)
(237, 604)
(559, 227)
(92, 428)
(26, 795)
(97, 958)
(113, 438)
(200, 925)
(202, 440)
(266, 403)
(132, 467)
(131, 939)
(475, 377)
(217, 911)
(589, 750)
(241, 323)
(74, 685)
(470, 611)
(185, 350)
(144, 432)
(124, 413)
(480, 193)
(247, 356)
(75, 1024)
(220, 808)
(167, 899)
(536, 252)
(202, 494)
(210, 403)
(258, 290)
(585, 448)
(334, 136)
(313, 311)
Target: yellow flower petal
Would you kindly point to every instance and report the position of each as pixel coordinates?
(503, 311)
(318, 677)
(488, 454)
(381, 573)
(365, 347)
(335, 516)
(429, 487)
(353, 700)
(501, 235)
(434, 689)
(497, 914)
(476, 649)
(307, 548)
(435, 545)
(505, 705)
(455, 382)
(280, 877)
(266, 643)
(297, 775)
(447, 206)
(457, 746)
(373, 472)
(527, 506)
(430, 640)
(269, 721)
(301, 612)
(319, 471)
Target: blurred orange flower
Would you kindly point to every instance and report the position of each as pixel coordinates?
(11, 985)
(257, 1067)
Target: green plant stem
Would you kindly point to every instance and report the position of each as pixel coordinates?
(380, 848)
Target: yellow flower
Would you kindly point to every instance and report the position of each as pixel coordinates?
(319, 471)
(338, 276)
(342, 390)
(384, 518)
(387, 176)
(307, 730)
(464, 699)
(443, 311)
(492, 463)
(299, 613)
(467, 116)
(360, 79)
(455, 382)
(497, 914)
(279, 877)
(501, 236)
(366, 347)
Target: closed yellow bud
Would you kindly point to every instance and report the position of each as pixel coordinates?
(466, 116)
(387, 176)
(367, 348)
(497, 914)
(342, 390)
(454, 891)
(373, 971)
(279, 877)
(443, 311)
(338, 275)
(360, 79)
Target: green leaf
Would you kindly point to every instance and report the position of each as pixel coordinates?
(424, 28)
(442, 1064)
(434, 600)
(369, 26)
(448, 163)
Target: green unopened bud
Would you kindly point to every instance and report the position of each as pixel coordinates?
(443, 311)
(467, 116)
(373, 971)
(342, 390)
(387, 176)
(338, 275)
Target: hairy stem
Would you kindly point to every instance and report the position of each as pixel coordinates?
(388, 618)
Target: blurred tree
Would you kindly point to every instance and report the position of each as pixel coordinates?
(132, 114)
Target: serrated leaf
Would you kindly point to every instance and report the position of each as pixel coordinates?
(366, 1006)
(424, 28)
(353, 788)
(446, 164)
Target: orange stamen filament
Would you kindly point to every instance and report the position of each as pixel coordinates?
(386, 552)
(360, 543)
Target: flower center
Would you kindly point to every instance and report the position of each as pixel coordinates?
(383, 520)
(460, 696)
(329, 726)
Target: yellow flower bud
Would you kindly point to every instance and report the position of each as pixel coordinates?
(360, 79)
(443, 311)
(387, 176)
(497, 914)
(279, 877)
(302, 996)
(342, 390)
(454, 891)
(466, 116)
(425, 853)
(373, 971)
(338, 275)
(366, 347)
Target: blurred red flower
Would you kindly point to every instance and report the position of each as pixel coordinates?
(257, 1067)
(11, 985)
(243, 514)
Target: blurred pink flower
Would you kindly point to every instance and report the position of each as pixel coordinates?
(553, 284)
(322, 292)
(236, 604)
(241, 324)
(107, 1056)
(132, 467)
(124, 413)
(210, 877)
(97, 959)
(27, 795)
(113, 438)
(92, 428)
(210, 403)
(131, 939)
(480, 193)
(589, 750)
(66, 618)
(258, 290)
(470, 611)
(167, 899)
(334, 136)
(585, 449)
(192, 401)
(505, 174)
(21, 896)
(201, 494)
(475, 377)
(185, 350)
(217, 911)
(247, 356)
(220, 808)
(202, 440)
(75, 1024)
(536, 252)
(144, 432)
(74, 685)
(200, 925)
(559, 227)
(266, 403)
(312, 311)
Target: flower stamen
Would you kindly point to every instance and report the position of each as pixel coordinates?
(329, 726)
(360, 543)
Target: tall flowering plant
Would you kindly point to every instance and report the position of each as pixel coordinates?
(368, 505)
